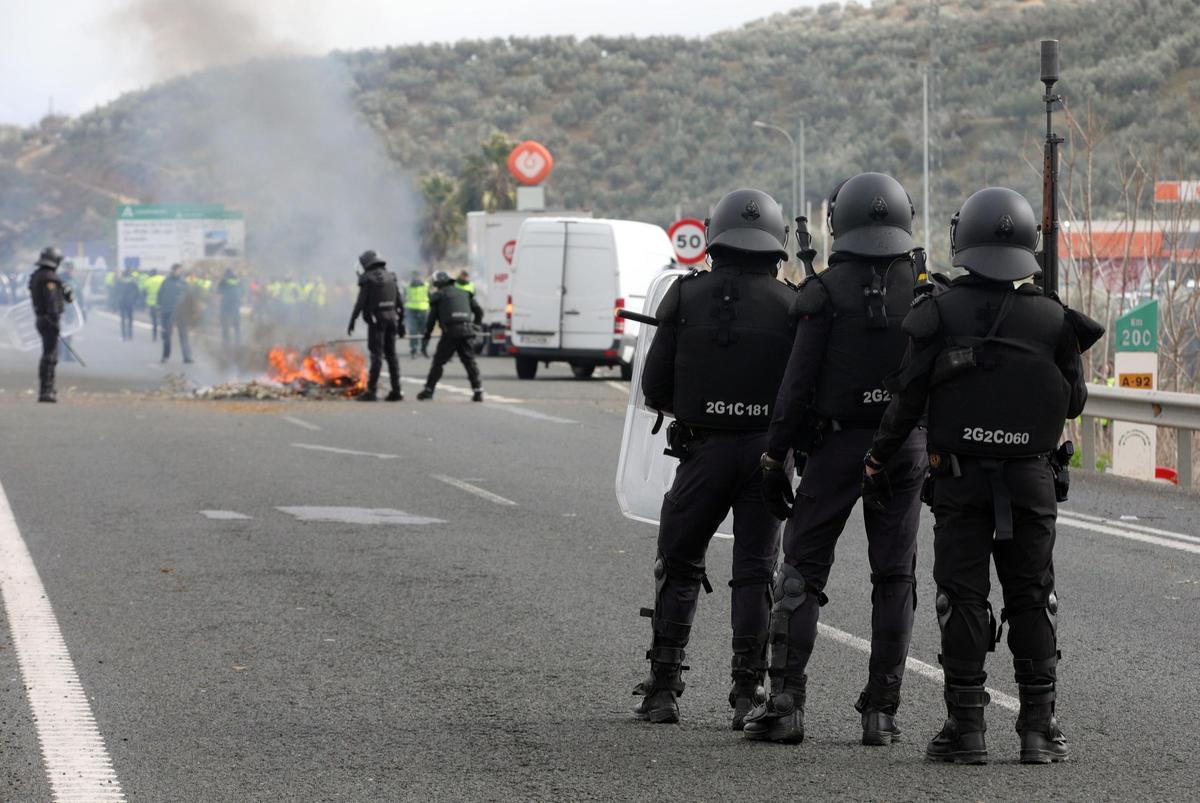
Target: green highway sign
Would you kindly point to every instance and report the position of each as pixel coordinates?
(1137, 330)
(176, 212)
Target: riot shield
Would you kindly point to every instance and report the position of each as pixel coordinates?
(644, 473)
(21, 323)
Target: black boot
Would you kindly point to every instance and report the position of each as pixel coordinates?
(395, 395)
(781, 717)
(660, 690)
(46, 383)
(878, 708)
(425, 394)
(961, 738)
(477, 396)
(1041, 740)
(747, 690)
(369, 396)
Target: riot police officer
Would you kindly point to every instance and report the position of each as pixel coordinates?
(998, 364)
(457, 312)
(715, 364)
(378, 302)
(848, 340)
(48, 295)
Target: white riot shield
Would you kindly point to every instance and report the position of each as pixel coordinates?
(21, 323)
(644, 473)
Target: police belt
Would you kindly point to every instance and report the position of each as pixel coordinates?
(942, 464)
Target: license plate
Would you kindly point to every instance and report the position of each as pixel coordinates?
(535, 340)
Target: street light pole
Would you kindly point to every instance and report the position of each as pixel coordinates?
(803, 195)
(795, 159)
(925, 139)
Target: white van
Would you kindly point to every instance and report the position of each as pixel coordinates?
(570, 276)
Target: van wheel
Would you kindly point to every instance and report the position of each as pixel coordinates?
(627, 371)
(583, 371)
(526, 367)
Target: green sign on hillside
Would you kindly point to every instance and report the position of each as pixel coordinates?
(1137, 330)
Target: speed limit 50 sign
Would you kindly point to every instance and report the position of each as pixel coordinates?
(687, 237)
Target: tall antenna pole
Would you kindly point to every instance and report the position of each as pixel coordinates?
(925, 141)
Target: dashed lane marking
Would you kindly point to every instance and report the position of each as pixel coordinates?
(553, 419)
(224, 515)
(1132, 535)
(623, 387)
(77, 763)
(498, 402)
(316, 448)
(358, 515)
(458, 390)
(300, 423)
(912, 665)
(475, 489)
(1125, 525)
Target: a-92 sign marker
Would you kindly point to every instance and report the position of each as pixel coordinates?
(687, 237)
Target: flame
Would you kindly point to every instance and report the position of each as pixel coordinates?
(342, 368)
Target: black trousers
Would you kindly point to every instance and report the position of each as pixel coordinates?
(829, 489)
(168, 321)
(381, 342)
(154, 322)
(721, 473)
(47, 327)
(126, 311)
(447, 347)
(963, 544)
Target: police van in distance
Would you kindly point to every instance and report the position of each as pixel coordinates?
(570, 278)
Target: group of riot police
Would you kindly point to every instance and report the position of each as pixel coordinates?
(870, 381)
(451, 307)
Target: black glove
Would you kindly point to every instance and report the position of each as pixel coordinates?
(876, 490)
(778, 493)
(350, 329)
(402, 331)
(425, 343)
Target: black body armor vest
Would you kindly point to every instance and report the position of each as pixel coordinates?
(734, 335)
(454, 311)
(867, 302)
(996, 389)
(383, 295)
(46, 293)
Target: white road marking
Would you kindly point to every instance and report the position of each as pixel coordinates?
(912, 665)
(300, 423)
(553, 419)
(461, 391)
(77, 763)
(358, 515)
(1137, 527)
(224, 515)
(623, 387)
(1132, 535)
(336, 450)
(475, 489)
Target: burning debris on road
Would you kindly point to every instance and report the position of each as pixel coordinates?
(331, 370)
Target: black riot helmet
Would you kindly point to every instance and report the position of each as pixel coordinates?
(994, 236)
(370, 259)
(442, 279)
(50, 257)
(747, 220)
(871, 215)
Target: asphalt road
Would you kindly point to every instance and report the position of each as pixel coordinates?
(426, 641)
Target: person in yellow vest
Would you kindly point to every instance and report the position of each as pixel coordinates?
(150, 287)
(464, 282)
(416, 313)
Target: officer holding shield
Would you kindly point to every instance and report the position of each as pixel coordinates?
(715, 363)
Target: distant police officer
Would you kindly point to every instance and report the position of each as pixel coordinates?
(848, 340)
(48, 295)
(127, 294)
(231, 293)
(997, 363)
(379, 300)
(457, 313)
(715, 364)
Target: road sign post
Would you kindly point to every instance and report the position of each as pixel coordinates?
(688, 238)
(1135, 446)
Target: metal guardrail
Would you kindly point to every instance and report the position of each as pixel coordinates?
(1178, 411)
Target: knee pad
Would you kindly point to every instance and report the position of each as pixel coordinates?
(790, 591)
(947, 608)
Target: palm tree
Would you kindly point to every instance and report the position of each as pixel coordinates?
(484, 182)
(441, 227)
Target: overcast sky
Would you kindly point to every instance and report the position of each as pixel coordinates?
(86, 52)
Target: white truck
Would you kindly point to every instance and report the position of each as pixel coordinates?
(570, 277)
(491, 241)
